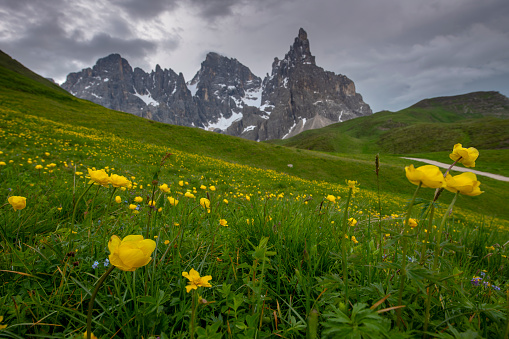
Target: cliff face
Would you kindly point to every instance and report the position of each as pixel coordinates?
(225, 96)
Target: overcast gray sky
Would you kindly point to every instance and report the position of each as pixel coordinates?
(396, 51)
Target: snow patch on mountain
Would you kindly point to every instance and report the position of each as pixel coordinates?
(147, 98)
(253, 97)
(249, 128)
(193, 88)
(223, 123)
(290, 130)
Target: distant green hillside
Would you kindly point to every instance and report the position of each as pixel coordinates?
(25, 93)
(478, 119)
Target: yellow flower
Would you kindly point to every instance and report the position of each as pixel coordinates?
(203, 187)
(352, 184)
(131, 252)
(173, 201)
(212, 188)
(205, 203)
(2, 319)
(189, 195)
(428, 175)
(465, 183)
(92, 336)
(119, 181)
(181, 183)
(466, 156)
(223, 222)
(331, 198)
(195, 280)
(160, 209)
(138, 199)
(151, 203)
(412, 222)
(18, 203)
(352, 222)
(38, 167)
(248, 198)
(132, 206)
(2, 163)
(118, 199)
(225, 201)
(98, 177)
(164, 188)
(354, 240)
(166, 242)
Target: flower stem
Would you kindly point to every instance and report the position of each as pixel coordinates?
(111, 197)
(74, 214)
(92, 299)
(430, 227)
(404, 258)
(344, 242)
(435, 260)
(193, 315)
(150, 208)
(440, 231)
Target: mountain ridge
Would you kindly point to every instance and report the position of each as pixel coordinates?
(225, 96)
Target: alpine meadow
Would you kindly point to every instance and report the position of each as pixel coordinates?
(115, 226)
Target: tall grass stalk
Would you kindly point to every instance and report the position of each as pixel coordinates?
(73, 219)
(92, 299)
(344, 243)
(404, 240)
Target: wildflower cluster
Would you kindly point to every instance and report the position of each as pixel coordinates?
(483, 280)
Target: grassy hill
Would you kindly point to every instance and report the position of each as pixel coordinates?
(102, 230)
(27, 94)
(431, 125)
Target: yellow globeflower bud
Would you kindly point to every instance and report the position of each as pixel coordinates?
(465, 183)
(131, 252)
(18, 203)
(428, 175)
(466, 156)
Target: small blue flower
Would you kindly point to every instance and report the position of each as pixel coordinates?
(106, 262)
(95, 264)
(483, 273)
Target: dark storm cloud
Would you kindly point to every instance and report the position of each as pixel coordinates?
(396, 51)
(212, 9)
(146, 9)
(55, 38)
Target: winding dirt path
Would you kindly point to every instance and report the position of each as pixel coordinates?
(461, 169)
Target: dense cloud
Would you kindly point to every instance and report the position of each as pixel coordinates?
(396, 51)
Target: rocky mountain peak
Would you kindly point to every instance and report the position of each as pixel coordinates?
(225, 96)
(299, 53)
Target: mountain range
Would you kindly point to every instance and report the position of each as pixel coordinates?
(225, 96)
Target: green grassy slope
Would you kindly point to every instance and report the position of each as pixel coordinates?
(428, 126)
(24, 92)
